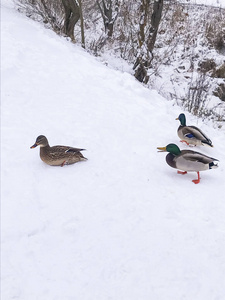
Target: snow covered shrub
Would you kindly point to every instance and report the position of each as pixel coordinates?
(178, 17)
(215, 29)
(219, 72)
(123, 42)
(220, 91)
(190, 48)
(197, 96)
(206, 65)
(50, 12)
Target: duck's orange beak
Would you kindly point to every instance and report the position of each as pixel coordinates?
(35, 145)
(161, 149)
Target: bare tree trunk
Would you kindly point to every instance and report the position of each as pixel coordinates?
(155, 20)
(146, 44)
(142, 24)
(72, 15)
(108, 16)
(81, 24)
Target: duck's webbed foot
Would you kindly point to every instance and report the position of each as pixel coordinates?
(196, 181)
(63, 164)
(182, 173)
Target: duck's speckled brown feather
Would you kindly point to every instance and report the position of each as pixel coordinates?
(58, 155)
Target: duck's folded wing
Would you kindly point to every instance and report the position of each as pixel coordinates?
(197, 157)
(74, 150)
(196, 132)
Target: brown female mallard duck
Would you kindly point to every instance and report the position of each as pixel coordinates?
(187, 160)
(57, 155)
(191, 134)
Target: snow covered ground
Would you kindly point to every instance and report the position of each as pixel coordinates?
(219, 3)
(122, 225)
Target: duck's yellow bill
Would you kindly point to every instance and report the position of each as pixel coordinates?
(162, 149)
(177, 119)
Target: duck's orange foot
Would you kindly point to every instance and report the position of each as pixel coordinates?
(63, 164)
(196, 181)
(182, 173)
(183, 141)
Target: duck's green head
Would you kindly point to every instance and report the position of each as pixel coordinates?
(171, 148)
(182, 119)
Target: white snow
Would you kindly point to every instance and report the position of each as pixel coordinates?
(217, 3)
(122, 225)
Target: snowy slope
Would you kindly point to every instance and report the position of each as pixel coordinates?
(122, 225)
(218, 3)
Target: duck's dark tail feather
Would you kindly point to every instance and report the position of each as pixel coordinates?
(74, 150)
(212, 165)
(207, 142)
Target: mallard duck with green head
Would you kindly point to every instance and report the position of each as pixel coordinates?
(188, 160)
(191, 134)
(57, 155)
